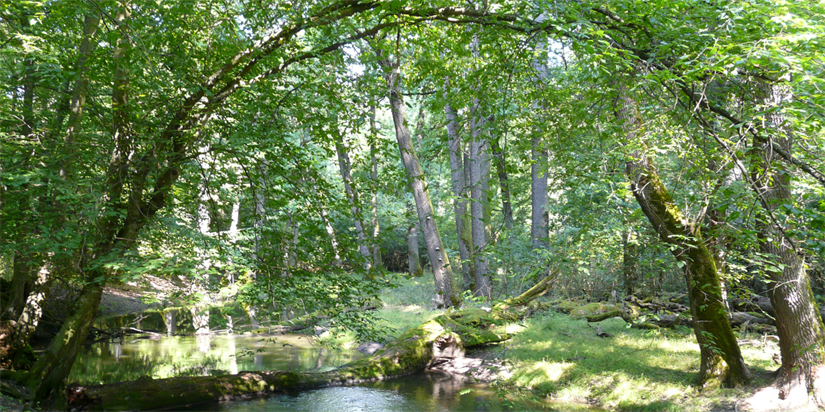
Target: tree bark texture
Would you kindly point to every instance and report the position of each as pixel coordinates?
(480, 204)
(798, 322)
(539, 229)
(721, 359)
(446, 295)
(413, 258)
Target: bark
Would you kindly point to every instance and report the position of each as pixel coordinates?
(539, 229)
(721, 359)
(630, 260)
(345, 167)
(48, 375)
(414, 260)
(446, 295)
(479, 206)
(77, 104)
(798, 322)
(462, 220)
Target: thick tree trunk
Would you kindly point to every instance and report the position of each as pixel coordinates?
(48, 376)
(462, 222)
(479, 206)
(446, 295)
(801, 380)
(539, 229)
(721, 359)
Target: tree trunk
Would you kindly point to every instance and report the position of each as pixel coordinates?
(630, 260)
(479, 206)
(721, 359)
(539, 229)
(413, 258)
(376, 227)
(462, 222)
(500, 156)
(801, 380)
(446, 295)
(345, 168)
(48, 376)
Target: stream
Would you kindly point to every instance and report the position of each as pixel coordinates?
(169, 356)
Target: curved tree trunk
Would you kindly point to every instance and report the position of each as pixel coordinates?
(721, 359)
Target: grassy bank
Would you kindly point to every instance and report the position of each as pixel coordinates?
(564, 359)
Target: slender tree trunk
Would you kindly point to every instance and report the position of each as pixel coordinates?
(630, 260)
(413, 259)
(376, 228)
(721, 359)
(462, 221)
(345, 167)
(446, 295)
(500, 156)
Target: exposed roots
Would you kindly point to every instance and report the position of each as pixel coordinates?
(790, 392)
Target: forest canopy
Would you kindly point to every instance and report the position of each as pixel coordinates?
(285, 156)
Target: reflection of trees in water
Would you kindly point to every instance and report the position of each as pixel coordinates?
(203, 355)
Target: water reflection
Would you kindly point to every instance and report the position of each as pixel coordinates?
(422, 392)
(170, 356)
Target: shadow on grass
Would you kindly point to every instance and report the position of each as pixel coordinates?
(632, 370)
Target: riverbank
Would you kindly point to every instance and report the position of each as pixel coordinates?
(560, 359)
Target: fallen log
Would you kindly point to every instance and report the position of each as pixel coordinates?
(431, 342)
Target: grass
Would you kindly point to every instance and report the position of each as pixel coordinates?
(563, 359)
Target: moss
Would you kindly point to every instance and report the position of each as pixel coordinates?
(593, 309)
(566, 306)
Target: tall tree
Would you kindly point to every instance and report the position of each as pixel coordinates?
(446, 294)
(461, 199)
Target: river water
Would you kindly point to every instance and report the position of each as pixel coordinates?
(169, 356)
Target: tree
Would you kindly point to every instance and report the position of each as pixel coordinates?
(445, 294)
(721, 359)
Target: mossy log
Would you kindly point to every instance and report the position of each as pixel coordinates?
(442, 337)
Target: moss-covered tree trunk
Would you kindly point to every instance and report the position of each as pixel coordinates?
(721, 359)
